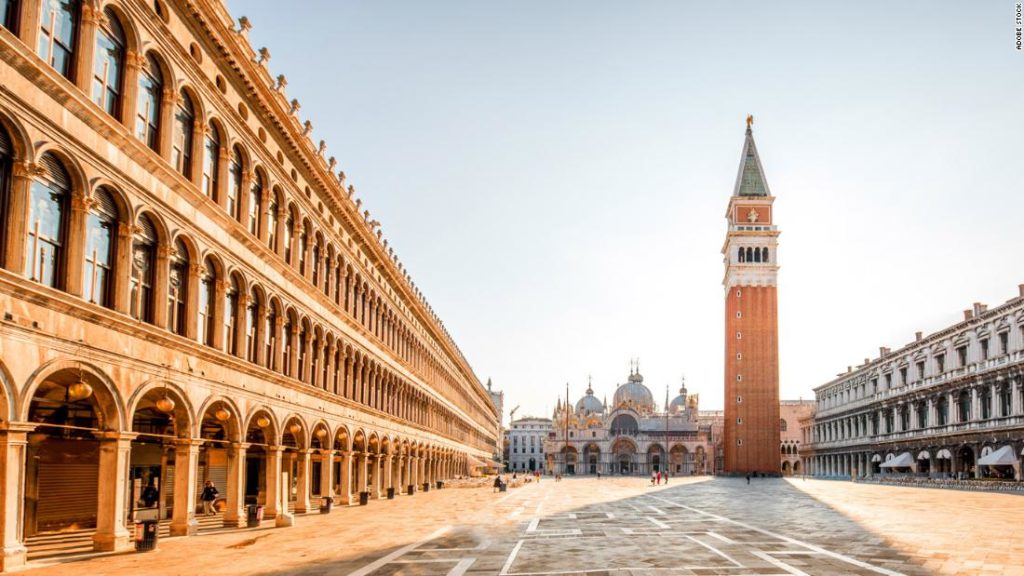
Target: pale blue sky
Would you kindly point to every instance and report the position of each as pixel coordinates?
(554, 174)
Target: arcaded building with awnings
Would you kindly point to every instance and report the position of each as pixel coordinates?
(947, 405)
(191, 293)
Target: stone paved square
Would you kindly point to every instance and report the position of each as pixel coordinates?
(617, 526)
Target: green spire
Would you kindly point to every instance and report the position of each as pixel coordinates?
(750, 181)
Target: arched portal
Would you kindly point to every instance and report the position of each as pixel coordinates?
(219, 461)
(163, 421)
(655, 458)
(295, 462)
(591, 457)
(262, 462)
(76, 442)
(678, 456)
(624, 457)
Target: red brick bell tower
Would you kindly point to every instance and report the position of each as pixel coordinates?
(751, 442)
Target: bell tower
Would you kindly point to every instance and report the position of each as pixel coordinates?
(751, 442)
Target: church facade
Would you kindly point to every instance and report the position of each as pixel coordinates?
(630, 436)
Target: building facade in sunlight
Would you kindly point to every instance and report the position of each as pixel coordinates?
(950, 404)
(791, 413)
(630, 436)
(526, 437)
(190, 293)
(752, 440)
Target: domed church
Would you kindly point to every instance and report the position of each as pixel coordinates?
(631, 436)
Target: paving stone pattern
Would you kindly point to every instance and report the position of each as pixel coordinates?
(619, 526)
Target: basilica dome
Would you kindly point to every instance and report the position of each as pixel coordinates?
(589, 403)
(678, 403)
(634, 394)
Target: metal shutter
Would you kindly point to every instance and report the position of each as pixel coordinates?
(67, 495)
(5, 143)
(55, 171)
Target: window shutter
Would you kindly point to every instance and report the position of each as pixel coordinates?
(55, 171)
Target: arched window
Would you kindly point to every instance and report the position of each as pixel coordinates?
(757, 255)
(184, 124)
(964, 406)
(235, 183)
(314, 360)
(942, 410)
(782, 424)
(764, 255)
(286, 349)
(339, 285)
(252, 327)
(270, 337)
(750, 254)
(143, 258)
(255, 203)
(100, 226)
(108, 64)
(231, 316)
(6, 162)
(211, 158)
(289, 225)
(177, 288)
(273, 212)
(147, 113)
(303, 335)
(303, 244)
(9, 15)
(741, 254)
(207, 296)
(47, 223)
(315, 261)
(58, 35)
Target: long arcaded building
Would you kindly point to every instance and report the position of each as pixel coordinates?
(190, 292)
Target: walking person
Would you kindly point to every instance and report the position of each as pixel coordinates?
(659, 478)
(654, 477)
(748, 478)
(208, 497)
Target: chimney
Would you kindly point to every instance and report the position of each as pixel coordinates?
(917, 336)
(1020, 288)
(883, 351)
(979, 309)
(849, 369)
(867, 361)
(967, 314)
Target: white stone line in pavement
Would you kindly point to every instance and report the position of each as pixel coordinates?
(533, 525)
(371, 567)
(720, 537)
(807, 545)
(610, 515)
(658, 523)
(511, 558)
(715, 550)
(461, 567)
(657, 511)
(778, 563)
(515, 513)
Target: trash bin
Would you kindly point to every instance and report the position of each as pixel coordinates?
(440, 484)
(364, 498)
(253, 515)
(426, 486)
(391, 493)
(503, 487)
(146, 535)
(410, 489)
(325, 504)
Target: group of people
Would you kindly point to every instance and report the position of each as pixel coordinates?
(656, 477)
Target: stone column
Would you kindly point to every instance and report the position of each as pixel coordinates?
(241, 303)
(243, 197)
(303, 481)
(90, 20)
(975, 403)
(410, 472)
(293, 358)
(76, 242)
(186, 465)
(1015, 396)
(345, 482)
(330, 379)
(223, 160)
(13, 447)
(363, 471)
(375, 488)
(273, 481)
(326, 474)
(278, 351)
(234, 512)
(220, 288)
(18, 201)
(111, 534)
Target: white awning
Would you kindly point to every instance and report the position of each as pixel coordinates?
(923, 455)
(876, 458)
(944, 455)
(1002, 457)
(904, 460)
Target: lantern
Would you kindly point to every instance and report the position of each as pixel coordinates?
(263, 421)
(165, 405)
(222, 415)
(295, 428)
(321, 433)
(79, 390)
